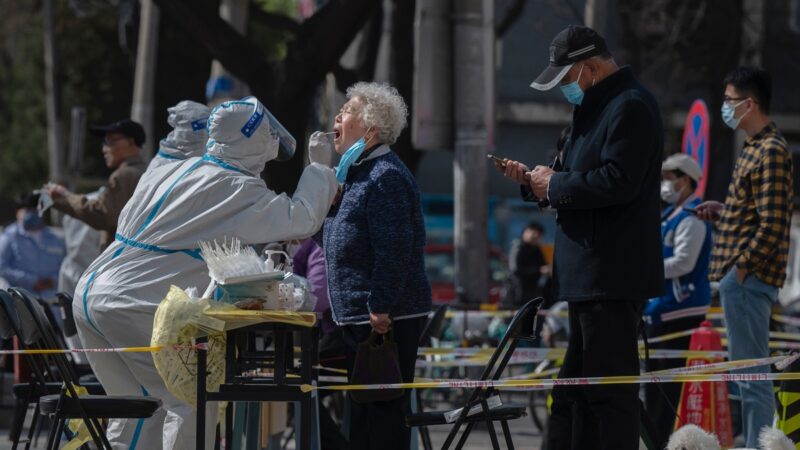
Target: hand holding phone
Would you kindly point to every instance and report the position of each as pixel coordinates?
(710, 210)
(499, 162)
(517, 172)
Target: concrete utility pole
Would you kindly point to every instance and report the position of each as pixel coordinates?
(53, 95)
(145, 75)
(473, 84)
(222, 85)
(595, 15)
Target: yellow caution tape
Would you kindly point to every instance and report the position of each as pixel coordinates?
(783, 360)
(534, 384)
(77, 426)
(535, 354)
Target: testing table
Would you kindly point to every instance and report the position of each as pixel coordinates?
(255, 374)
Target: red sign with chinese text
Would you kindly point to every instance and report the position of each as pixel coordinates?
(706, 404)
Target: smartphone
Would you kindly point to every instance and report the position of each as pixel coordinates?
(497, 160)
(714, 215)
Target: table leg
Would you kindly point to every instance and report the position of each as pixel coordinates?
(200, 423)
(229, 425)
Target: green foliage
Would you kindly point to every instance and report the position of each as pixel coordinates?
(92, 70)
(23, 138)
(274, 42)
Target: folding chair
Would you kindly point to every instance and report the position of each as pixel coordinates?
(71, 340)
(66, 405)
(432, 330)
(520, 329)
(26, 394)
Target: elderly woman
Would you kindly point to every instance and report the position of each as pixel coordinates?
(373, 241)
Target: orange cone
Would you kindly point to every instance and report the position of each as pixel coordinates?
(704, 403)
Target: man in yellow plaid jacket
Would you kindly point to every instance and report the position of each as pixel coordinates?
(751, 242)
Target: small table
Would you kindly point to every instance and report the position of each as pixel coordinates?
(283, 385)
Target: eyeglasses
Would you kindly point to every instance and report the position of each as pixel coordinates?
(348, 110)
(731, 100)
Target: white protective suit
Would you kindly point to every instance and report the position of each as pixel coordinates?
(188, 137)
(217, 196)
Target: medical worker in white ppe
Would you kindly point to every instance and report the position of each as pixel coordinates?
(214, 197)
(188, 136)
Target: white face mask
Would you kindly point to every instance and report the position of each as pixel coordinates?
(668, 192)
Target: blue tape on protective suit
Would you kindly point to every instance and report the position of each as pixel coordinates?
(199, 124)
(132, 242)
(194, 253)
(162, 154)
(252, 123)
(213, 159)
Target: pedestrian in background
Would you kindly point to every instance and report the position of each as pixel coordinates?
(122, 142)
(751, 243)
(687, 293)
(30, 253)
(530, 264)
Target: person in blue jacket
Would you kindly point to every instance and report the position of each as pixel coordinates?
(373, 241)
(31, 254)
(687, 294)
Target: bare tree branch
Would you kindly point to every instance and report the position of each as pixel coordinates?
(240, 56)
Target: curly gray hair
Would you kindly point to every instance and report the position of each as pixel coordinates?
(384, 109)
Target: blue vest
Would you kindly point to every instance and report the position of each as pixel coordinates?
(690, 294)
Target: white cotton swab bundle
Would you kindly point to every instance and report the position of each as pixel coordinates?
(228, 260)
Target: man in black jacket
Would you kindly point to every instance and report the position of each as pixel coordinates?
(607, 259)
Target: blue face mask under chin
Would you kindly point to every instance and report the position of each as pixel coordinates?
(350, 156)
(572, 91)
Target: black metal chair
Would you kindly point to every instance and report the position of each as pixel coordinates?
(521, 328)
(66, 405)
(71, 340)
(26, 394)
(45, 379)
(433, 329)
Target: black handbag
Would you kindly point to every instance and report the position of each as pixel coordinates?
(376, 363)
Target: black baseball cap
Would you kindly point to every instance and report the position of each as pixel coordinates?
(574, 43)
(27, 200)
(126, 127)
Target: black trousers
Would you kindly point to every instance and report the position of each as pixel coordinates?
(661, 400)
(381, 425)
(603, 342)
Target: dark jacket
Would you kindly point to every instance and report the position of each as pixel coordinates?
(608, 240)
(374, 240)
(102, 213)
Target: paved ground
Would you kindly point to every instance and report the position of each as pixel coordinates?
(525, 435)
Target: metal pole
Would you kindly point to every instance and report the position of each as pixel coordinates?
(52, 93)
(145, 75)
(77, 132)
(473, 82)
(595, 15)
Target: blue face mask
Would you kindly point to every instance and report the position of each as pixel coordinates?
(572, 91)
(729, 113)
(31, 221)
(350, 156)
